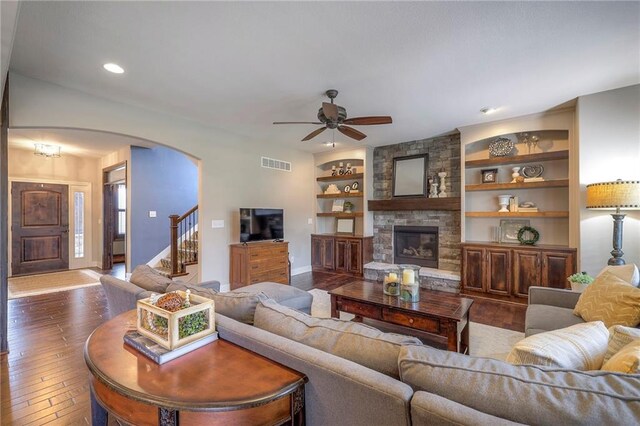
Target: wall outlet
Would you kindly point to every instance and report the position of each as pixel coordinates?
(217, 223)
(152, 213)
(309, 221)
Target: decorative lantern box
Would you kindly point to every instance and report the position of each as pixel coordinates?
(174, 329)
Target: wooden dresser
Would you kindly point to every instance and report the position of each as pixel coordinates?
(257, 262)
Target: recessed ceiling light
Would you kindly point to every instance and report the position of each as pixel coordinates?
(487, 110)
(114, 68)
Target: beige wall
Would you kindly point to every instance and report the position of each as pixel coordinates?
(609, 135)
(67, 168)
(230, 172)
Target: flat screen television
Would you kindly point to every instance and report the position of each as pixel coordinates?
(261, 224)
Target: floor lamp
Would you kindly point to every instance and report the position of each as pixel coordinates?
(616, 195)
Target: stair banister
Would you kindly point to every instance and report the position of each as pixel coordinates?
(182, 229)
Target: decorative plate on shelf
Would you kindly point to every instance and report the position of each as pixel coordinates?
(532, 171)
(500, 147)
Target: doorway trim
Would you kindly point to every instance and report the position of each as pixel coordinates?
(108, 224)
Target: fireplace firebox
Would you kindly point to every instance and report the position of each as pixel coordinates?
(417, 245)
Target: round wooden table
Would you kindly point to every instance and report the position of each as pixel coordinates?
(220, 383)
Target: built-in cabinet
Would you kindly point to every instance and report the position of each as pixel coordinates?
(506, 272)
(252, 263)
(340, 254)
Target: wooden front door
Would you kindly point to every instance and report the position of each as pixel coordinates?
(40, 227)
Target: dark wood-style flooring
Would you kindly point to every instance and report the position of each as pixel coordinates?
(44, 379)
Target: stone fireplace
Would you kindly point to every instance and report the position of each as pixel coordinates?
(416, 245)
(444, 155)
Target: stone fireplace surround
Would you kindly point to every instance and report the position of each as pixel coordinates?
(444, 153)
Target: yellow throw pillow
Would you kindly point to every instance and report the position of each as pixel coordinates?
(627, 360)
(580, 347)
(619, 337)
(611, 300)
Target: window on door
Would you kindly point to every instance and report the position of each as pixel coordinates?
(121, 210)
(78, 224)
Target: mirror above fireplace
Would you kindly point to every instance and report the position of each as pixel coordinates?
(410, 176)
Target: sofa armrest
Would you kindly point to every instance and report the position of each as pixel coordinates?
(430, 409)
(553, 296)
(213, 285)
(121, 295)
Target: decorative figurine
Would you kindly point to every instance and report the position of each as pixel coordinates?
(434, 188)
(515, 175)
(443, 185)
(341, 171)
(349, 171)
(503, 200)
(334, 172)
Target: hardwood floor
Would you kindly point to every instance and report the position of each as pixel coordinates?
(44, 379)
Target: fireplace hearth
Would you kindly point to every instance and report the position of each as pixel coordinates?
(417, 245)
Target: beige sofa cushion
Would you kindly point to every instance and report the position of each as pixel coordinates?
(580, 347)
(146, 277)
(611, 300)
(523, 393)
(356, 342)
(237, 305)
(628, 273)
(619, 337)
(626, 360)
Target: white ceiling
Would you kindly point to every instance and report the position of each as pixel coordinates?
(242, 65)
(79, 143)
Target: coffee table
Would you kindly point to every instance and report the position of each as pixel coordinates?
(442, 316)
(219, 383)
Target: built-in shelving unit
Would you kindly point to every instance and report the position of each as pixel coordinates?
(343, 195)
(519, 159)
(340, 177)
(340, 215)
(326, 217)
(555, 183)
(549, 214)
(550, 196)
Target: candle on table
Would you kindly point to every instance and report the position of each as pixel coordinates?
(408, 277)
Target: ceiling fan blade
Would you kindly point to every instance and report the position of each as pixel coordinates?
(367, 121)
(351, 132)
(330, 111)
(298, 122)
(314, 133)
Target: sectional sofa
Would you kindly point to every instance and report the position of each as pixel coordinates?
(421, 385)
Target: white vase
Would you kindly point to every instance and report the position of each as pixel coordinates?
(515, 174)
(579, 287)
(503, 200)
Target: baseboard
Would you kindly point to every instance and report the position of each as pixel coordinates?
(300, 270)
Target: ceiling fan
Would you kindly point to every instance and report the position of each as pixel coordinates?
(333, 116)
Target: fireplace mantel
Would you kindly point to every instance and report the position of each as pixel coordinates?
(415, 203)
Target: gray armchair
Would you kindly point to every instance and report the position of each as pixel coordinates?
(550, 309)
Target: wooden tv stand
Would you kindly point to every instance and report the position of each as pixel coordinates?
(252, 263)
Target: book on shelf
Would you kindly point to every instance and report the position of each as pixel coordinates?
(535, 179)
(338, 206)
(527, 209)
(157, 353)
(513, 204)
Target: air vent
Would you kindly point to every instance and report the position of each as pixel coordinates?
(271, 163)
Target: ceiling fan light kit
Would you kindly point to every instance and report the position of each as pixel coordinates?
(333, 116)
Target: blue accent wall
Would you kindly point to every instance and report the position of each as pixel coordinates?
(163, 180)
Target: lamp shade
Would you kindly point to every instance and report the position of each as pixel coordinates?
(621, 194)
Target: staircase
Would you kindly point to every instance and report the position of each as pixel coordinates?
(183, 250)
